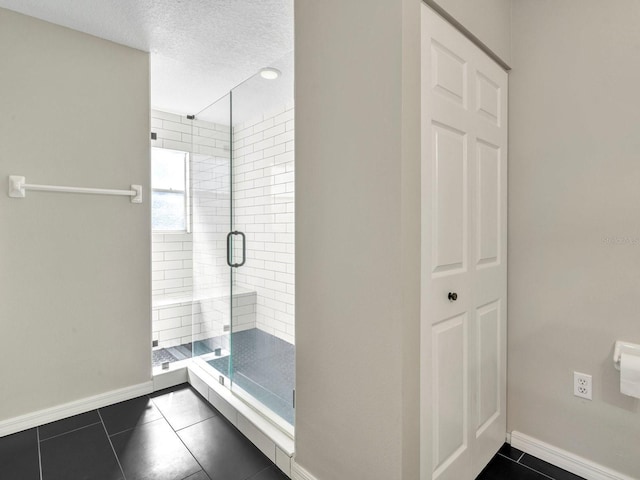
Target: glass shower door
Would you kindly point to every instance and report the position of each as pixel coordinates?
(242, 194)
(262, 323)
(210, 180)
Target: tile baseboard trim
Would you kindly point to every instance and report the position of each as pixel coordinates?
(566, 460)
(299, 473)
(52, 414)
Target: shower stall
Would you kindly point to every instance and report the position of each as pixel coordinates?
(241, 230)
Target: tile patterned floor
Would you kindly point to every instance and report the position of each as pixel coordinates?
(173, 434)
(512, 464)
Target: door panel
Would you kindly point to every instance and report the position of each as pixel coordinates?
(488, 204)
(488, 365)
(487, 98)
(449, 198)
(449, 74)
(464, 174)
(450, 376)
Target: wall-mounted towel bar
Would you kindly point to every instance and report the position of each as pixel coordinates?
(17, 188)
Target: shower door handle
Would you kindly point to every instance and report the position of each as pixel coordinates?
(230, 253)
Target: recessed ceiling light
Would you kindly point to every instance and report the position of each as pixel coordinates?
(269, 73)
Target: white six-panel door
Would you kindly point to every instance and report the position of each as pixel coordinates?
(464, 233)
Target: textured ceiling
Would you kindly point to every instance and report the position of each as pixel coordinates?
(199, 48)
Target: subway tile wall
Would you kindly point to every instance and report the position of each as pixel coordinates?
(171, 265)
(263, 184)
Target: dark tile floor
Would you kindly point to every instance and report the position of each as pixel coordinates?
(176, 435)
(169, 435)
(512, 464)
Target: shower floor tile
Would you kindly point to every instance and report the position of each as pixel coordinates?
(263, 365)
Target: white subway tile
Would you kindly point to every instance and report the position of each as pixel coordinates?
(165, 116)
(174, 312)
(183, 273)
(167, 265)
(263, 125)
(284, 117)
(167, 324)
(176, 127)
(178, 255)
(177, 237)
(174, 283)
(175, 333)
(163, 134)
(276, 130)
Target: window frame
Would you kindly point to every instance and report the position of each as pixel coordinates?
(187, 185)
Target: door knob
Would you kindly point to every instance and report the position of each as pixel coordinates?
(453, 296)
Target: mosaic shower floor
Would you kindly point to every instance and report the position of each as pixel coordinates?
(261, 364)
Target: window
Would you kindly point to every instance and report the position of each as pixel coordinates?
(169, 187)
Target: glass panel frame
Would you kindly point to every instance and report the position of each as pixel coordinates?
(210, 193)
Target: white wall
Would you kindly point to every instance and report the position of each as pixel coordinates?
(574, 254)
(74, 269)
(489, 20)
(357, 238)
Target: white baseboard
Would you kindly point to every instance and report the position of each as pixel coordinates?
(41, 417)
(299, 473)
(563, 459)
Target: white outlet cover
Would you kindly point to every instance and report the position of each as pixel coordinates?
(582, 385)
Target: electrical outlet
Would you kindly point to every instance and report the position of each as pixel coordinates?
(582, 385)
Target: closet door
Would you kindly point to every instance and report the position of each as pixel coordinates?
(464, 212)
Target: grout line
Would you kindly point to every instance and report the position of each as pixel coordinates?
(190, 453)
(534, 470)
(265, 468)
(508, 458)
(134, 427)
(525, 466)
(520, 457)
(39, 453)
(215, 414)
(180, 438)
(111, 443)
(69, 431)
